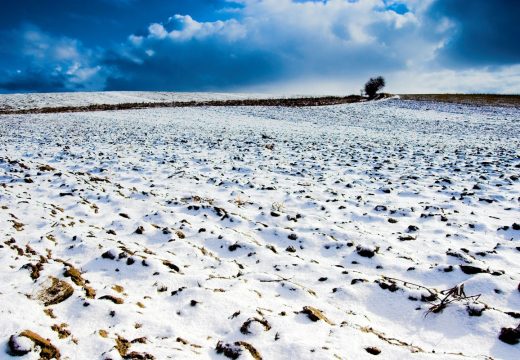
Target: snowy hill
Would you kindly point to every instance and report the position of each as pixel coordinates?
(277, 233)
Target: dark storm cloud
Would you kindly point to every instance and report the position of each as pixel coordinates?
(37, 61)
(192, 66)
(484, 32)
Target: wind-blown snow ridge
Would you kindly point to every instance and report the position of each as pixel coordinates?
(273, 233)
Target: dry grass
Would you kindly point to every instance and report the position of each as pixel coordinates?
(468, 99)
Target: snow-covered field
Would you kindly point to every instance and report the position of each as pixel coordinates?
(273, 233)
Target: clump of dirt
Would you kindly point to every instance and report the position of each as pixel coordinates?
(47, 350)
(114, 299)
(17, 225)
(254, 353)
(231, 351)
(36, 268)
(57, 292)
(122, 345)
(171, 266)
(46, 168)
(315, 314)
(244, 329)
(49, 313)
(134, 355)
(118, 288)
(61, 329)
(75, 276)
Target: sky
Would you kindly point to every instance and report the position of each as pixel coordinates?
(264, 46)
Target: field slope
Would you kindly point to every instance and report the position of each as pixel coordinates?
(330, 232)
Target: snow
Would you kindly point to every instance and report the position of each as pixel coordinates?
(256, 213)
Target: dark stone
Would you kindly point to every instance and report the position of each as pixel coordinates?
(15, 349)
(373, 350)
(364, 252)
(510, 336)
(471, 270)
(108, 255)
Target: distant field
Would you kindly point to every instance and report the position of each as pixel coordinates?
(286, 102)
(103, 101)
(469, 99)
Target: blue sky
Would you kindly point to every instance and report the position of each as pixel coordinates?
(274, 46)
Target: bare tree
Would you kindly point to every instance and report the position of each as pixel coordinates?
(374, 85)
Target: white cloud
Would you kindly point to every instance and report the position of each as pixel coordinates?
(335, 39)
(505, 79)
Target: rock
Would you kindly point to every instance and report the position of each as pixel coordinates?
(510, 336)
(413, 228)
(516, 226)
(19, 346)
(391, 286)
(315, 314)
(365, 251)
(471, 270)
(292, 236)
(109, 255)
(475, 309)
(234, 247)
(57, 292)
(373, 350)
